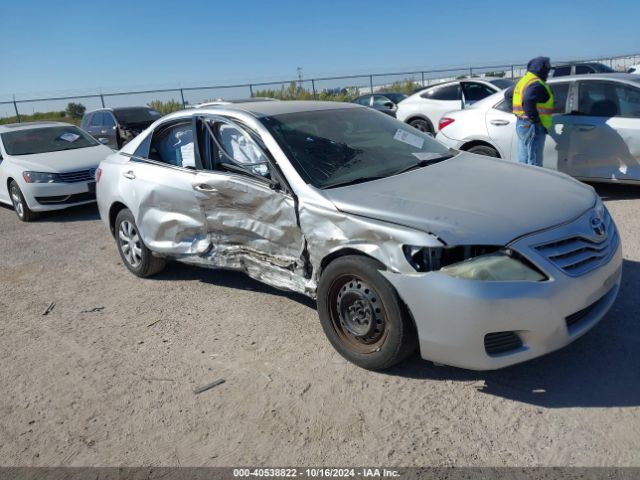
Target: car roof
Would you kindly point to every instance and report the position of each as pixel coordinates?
(465, 79)
(622, 77)
(117, 109)
(265, 109)
(12, 127)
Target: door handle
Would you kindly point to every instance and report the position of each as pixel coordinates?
(130, 175)
(203, 187)
(586, 128)
(499, 123)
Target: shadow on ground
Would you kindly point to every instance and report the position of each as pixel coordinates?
(73, 214)
(601, 369)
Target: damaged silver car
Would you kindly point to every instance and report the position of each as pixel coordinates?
(478, 262)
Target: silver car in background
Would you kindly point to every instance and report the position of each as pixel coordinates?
(479, 262)
(595, 134)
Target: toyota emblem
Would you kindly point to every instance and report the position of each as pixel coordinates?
(598, 226)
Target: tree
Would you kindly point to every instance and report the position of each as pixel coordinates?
(75, 110)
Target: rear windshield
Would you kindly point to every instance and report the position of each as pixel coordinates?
(46, 139)
(136, 115)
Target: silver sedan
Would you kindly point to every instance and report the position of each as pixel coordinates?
(595, 134)
(405, 244)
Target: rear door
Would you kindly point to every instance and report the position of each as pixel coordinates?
(251, 217)
(604, 138)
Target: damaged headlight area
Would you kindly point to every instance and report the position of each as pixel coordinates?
(473, 262)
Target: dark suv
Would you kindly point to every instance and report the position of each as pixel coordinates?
(115, 127)
(579, 69)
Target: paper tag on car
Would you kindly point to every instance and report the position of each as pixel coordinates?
(409, 138)
(426, 155)
(188, 157)
(69, 137)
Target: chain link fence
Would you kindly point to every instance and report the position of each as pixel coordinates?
(326, 88)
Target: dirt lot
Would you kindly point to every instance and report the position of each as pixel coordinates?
(106, 387)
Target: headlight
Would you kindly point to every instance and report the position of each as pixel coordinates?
(497, 267)
(41, 177)
(599, 209)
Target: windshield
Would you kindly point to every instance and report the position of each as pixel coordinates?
(332, 147)
(502, 83)
(46, 139)
(395, 97)
(128, 116)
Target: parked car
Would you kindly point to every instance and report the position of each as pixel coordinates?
(47, 166)
(423, 109)
(385, 102)
(221, 101)
(579, 69)
(595, 134)
(403, 242)
(634, 69)
(115, 127)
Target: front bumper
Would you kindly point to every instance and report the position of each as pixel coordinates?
(56, 196)
(453, 315)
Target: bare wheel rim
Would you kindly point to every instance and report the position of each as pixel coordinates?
(130, 244)
(357, 314)
(16, 199)
(420, 126)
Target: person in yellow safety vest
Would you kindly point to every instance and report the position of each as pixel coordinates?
(532, 102)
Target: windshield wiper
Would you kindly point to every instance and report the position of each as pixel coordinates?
(353, 181)
(423, 163)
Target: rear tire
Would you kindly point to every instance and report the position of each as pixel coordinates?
(485, 150)
(20, 206)
(134, 253)
(422, 125)
(362, 315)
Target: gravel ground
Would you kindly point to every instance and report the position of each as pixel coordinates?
(107, 377)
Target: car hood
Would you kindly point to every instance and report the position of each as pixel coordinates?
(470, 199)
(65, 160)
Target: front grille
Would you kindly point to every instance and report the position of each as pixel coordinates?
(580, 254)
(64, 199)
(79, 176)
(500, 342)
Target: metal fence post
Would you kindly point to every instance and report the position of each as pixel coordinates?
(470, 72)
(15, 106)
(184, 105)
(101, 98)
(313, 88)
(371, 82)
(513, 75)
(422, 75)
(251, 91)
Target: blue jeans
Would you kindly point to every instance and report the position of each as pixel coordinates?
(531, 138)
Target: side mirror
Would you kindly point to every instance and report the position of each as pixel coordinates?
(103, 141)
(389, 105)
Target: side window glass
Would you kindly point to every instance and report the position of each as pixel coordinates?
(364, 100)
(476, 91)
(597, 99)
(628, 101)
(446, 92)
(582, 69)
(380, 100)
(240, 149)
(96, 120)
(561, 71)
(504, 106)
(143, 149)
(560, 92)
(108, 120)
(174, 145)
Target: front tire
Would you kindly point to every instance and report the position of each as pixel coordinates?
(134, 253)
(362, 316)
(20, 206)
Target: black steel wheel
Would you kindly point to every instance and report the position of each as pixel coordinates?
(362, 316)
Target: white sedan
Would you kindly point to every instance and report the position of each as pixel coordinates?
(423, 109)
(47, 166)
(595, 134)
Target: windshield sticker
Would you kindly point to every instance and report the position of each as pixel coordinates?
(426, 155)
(69, 137)
(409, 138)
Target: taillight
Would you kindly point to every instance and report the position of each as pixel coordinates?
(444, 121)
(98, 174)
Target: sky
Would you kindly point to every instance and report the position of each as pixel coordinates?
(80, 46)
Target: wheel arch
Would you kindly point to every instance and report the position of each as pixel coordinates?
(420, 116)
(115, 208)
(477, 143)
(347, 251)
